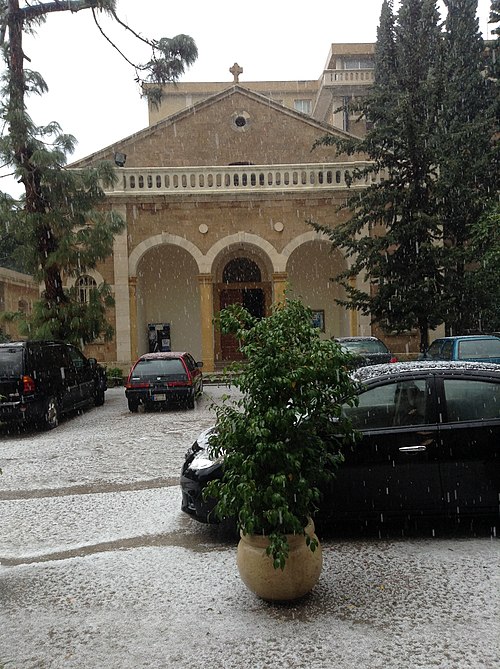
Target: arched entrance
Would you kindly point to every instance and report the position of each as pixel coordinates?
(242, 283)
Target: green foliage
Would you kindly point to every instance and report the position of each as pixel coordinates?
(61, 227)
(114, 376)
(71, 320)
(431, 140)
(282, 441)
(484, 276)
(468, 158)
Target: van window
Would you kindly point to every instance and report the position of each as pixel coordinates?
(11, 361)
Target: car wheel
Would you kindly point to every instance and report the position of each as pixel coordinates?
(190, 402)
(200, 389)
(50, 418)
(99, 397)
(133, 406)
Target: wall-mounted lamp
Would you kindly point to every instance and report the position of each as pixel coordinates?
(120, 159)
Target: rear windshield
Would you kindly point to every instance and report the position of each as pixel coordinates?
(11, 361)
(171, 367)
(365, 346)
(479, 348)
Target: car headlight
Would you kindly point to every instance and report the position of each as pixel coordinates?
(202, 460)
(203, 438)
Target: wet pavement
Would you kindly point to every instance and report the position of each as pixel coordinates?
(100, 568)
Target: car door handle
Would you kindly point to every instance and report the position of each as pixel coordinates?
(413, 449)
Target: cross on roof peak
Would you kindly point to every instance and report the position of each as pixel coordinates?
(236, 70)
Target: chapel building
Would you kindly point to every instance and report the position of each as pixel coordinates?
(217, 193)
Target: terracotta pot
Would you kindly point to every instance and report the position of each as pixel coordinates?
(301, 573)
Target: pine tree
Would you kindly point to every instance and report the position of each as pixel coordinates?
(62, 221)
(468, 168)
(393, 234)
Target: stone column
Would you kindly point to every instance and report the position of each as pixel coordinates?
(280, 282)
(353, 312)
(132, 289)
(206, 283)
(121, 293)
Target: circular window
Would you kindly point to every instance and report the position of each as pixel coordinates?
(240, 121)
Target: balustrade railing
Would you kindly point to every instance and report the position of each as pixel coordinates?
(239, 178)
(336, 77)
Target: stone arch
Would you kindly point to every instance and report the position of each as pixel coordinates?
(247, 239)
(158, 240)
(310, 236)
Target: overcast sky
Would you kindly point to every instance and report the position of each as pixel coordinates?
(92, 92)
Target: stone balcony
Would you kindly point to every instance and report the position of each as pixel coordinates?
(347, 77)
(236, 179)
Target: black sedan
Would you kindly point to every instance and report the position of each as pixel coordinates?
(429, 447)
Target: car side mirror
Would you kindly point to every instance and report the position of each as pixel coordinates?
(199, 364)
(92, 362)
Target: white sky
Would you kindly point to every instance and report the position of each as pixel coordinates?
(92, 93)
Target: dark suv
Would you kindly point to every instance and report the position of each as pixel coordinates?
(157, 379)
(40, 380)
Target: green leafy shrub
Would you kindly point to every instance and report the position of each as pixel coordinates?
(282, 441)
(114, 376)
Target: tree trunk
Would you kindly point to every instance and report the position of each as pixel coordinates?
(22, 153)
(423, 327)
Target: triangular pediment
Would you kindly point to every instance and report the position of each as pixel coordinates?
(233, 126)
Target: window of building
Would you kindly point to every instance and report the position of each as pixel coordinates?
(84, 285)
(358, 64)
(303, 106)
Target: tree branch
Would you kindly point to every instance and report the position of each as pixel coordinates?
(34, 11)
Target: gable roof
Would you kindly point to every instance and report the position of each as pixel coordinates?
(202, 126)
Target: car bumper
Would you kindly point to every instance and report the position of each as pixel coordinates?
(193, 502)
(159, 395)
(18, 412)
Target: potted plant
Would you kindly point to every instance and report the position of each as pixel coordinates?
(281, 442)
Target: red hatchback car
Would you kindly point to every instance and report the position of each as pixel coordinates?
(160, 379)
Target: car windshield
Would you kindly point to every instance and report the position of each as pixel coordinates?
(10, 361)
(479, 348)
(365, 346)
(156, 367)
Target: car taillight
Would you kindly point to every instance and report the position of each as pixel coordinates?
(393, 359)
(141, 384)
(28, 384)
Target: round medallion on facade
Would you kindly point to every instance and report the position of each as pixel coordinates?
(203, 228)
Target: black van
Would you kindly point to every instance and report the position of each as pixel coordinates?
(40, 380)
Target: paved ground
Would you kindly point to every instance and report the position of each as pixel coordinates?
(99, 568)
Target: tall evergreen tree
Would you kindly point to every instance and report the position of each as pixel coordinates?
(61, 219)
(392, 236)
(468, 165)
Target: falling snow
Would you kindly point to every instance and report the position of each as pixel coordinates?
(100, 568)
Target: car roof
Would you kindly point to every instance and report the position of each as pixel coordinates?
(465, 337)
(31, 342)
(367, 338)
(163, 355)
(394, 369)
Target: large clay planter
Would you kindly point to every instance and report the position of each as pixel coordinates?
(301, 573)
